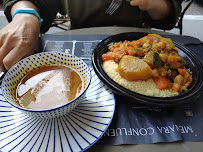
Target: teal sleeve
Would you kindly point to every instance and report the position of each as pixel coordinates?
(47, 10)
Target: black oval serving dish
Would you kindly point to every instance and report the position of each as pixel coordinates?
(193, 63)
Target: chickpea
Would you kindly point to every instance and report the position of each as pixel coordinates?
(162, 71)
(155, 73)
(190, 79)
(163, 57)
(184, 81)
(187, 76)
(187, 84)
(178, 79)
(146, 46)
(117, 44)
(176, 87)
(172, 74)
(160, 45)
(166, 66)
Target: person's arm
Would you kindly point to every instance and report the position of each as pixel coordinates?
(20, 37)
(157, 9)
(161, 14)
(46, 8)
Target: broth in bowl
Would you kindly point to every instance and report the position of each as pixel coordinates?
(49, 87)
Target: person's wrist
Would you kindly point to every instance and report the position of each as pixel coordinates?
(26, 17)
(159, 9)
(27, 20)
(28, 11)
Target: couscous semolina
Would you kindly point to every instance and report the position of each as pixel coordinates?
(146, 87)
(151, 66)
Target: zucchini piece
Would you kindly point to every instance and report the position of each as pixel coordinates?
(156, 59)
(183, 62)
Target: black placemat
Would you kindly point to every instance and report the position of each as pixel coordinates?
(133, 123)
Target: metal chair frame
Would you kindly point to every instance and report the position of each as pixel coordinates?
(180, 21)
(60, 21)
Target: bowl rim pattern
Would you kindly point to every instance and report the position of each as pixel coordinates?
(55, 108)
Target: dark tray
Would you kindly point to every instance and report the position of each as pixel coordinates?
(193, 63)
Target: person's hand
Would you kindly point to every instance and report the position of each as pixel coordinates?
(142, 4)
(157, 9)
(18, 39)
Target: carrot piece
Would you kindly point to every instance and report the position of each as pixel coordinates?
(108, 56)
(139, 43)
(173, 59)
(182, 71)
(132, 43)
(161, 82)
(117, 49)
(117, 44)
(131, 52)
(125, 49)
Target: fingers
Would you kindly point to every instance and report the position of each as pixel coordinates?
(18, 39)
(12, 51)
(138, 2)
(4, 50)
(142, 4)
(1, 39)
(15, 55)
(15, 48)
(7, 43)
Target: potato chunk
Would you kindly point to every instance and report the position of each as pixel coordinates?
(132, 68)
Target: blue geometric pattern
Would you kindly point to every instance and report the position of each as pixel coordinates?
(76, 131)
(18, 71)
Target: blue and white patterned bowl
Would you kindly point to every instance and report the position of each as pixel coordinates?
(20, 69)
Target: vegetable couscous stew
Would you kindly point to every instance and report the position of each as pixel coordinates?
(150, 66)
